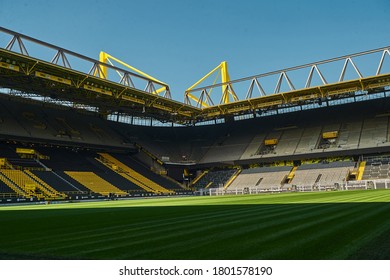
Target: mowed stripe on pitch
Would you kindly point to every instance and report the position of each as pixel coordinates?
(263, 226)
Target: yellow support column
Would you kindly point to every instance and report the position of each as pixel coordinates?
(227, 89)
(103, 58)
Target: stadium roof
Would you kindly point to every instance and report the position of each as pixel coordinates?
(69, 76)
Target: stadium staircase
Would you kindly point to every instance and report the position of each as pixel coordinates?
(95, 183)
(203, 173)
(131, 175)
(263, 178)
(214, 179)
(362, 166)
(53, 193)
(234, 176)
(291, 175)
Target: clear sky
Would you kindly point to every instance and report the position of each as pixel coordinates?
(179, 41)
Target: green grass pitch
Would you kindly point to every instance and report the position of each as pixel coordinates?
(326, 225)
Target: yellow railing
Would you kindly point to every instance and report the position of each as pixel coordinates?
(49, 190)
(228, 183)
(291, 175)
(361, 168)
(201, 175)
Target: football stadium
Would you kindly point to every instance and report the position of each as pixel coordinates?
(97, 161)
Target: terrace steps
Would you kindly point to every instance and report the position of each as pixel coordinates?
(131, 175)
(50, 191)
(95, 183)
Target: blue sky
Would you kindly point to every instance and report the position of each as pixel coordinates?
(179, 41)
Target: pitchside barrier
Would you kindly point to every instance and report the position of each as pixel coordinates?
(345, 186)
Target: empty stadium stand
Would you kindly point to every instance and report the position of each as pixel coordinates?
(299, 135)
(5, 190)
(47, 189)
(9, 188)
(265, 178)
(95, 183)
(322, 175)
(54, 123)
(68, 142)
(59, 183)
(21, 180)
(376, 167)
(62, 172)
(214, 179)
(141, 168)
(132, 175)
